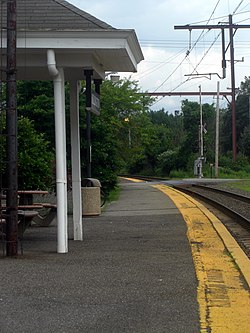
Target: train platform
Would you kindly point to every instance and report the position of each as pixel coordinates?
(153, 261)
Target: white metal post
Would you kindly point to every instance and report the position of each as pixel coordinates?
(76, 161)
(61, 71)
(60, 133)
(61, 179)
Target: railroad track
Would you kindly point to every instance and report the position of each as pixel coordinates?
(230, 206)
(234, 206)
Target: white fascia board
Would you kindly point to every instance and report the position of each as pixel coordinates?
(83, 40)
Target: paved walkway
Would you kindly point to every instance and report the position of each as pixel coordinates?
(132, 273)
(154, 261)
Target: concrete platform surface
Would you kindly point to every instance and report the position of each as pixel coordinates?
(132, 273)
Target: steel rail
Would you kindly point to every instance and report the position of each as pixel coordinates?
(240, 197)
(221, 207)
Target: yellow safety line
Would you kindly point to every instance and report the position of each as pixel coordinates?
(133, 179)
(223, 294)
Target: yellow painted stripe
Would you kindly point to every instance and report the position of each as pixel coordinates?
(223, 294)
(133, 179)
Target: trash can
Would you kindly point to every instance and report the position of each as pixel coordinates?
(91, 197)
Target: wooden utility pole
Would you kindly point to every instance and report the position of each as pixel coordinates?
(232, 29)
(11, 121)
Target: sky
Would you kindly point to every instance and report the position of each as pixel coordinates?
(171, 55)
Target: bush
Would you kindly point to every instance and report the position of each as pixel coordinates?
(241, 163)
(167, 161)
(179, 174)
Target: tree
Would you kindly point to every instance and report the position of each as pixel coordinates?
(35, 158)
(123, 108)
(36, 101)
(191, 125)
(242, 118)
(244, 143)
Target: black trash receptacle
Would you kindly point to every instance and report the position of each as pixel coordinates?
(91, 197)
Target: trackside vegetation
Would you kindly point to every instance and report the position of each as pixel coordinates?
(128, 137)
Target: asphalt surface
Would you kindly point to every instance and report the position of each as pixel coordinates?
(132, 273)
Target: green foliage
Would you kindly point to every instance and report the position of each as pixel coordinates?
(36, 101)
(128, 136)
(179, 174)
(242, 121)
(240, 184)
(122, 111)
(227, 162)
(189, 148)
(244, 143)
(167, 161)
(35, 159)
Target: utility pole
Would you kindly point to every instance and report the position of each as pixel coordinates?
(232, 29)
(231, 35)
(201, 137)
(11, 123)
(217, 131)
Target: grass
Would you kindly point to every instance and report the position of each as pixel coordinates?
(241, 184)
(114, 194)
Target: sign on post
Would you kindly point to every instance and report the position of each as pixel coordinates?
(95, 104)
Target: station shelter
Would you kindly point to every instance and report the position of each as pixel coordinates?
(58, 41)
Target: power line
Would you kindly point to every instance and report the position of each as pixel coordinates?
(191, 48)
(155, 68)
(237, 7)
(221, 17)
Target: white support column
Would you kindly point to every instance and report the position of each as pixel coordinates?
(60, 134)
(76, 161)
(61, 71)
(61, 177)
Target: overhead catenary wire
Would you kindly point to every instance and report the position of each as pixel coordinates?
(194, 46)
(198, 39)
(188, 52)
(234, 12)
(158, 66)
(174, 44)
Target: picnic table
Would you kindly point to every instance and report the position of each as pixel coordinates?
(26, 202)
(28, 210)
(26, 197)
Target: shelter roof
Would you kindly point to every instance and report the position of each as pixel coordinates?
(54, 15)
(80, 41)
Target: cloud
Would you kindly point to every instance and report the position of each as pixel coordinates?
(165, 66)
